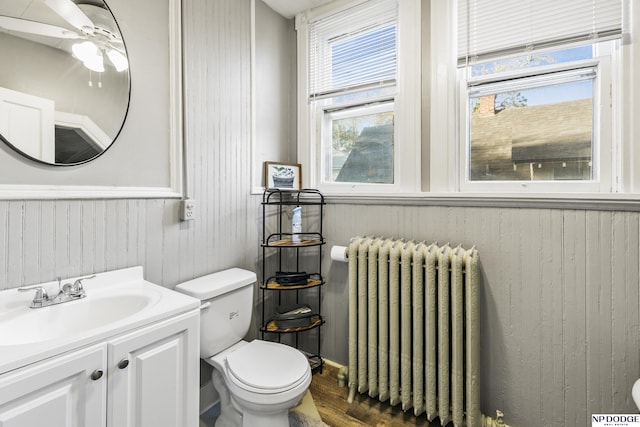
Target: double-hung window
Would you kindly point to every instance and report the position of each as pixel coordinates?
(350, 96)
(538, 85)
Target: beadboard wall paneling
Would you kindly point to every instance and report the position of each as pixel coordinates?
(45, 239)
(217, 54)
(559, 302)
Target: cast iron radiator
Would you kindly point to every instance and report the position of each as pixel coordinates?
(414, 327)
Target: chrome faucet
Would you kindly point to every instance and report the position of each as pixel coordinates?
(66, 292)
(75, 290)
(40, 299)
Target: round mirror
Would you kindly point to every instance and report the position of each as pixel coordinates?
(64, 79)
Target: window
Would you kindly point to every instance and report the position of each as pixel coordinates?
(352, 96)
(536, 96)
(541, 121)
(353, 71)
(533, 96)
(358, 142)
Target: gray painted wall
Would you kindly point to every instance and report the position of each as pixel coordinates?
(274, 96)
(560, 322)
(145, 137)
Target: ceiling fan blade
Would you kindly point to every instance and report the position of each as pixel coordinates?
(71, 13)
(37, 28)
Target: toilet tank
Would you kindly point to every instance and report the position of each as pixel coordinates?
(226, 306)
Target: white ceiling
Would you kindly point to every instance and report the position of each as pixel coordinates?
(289, 8)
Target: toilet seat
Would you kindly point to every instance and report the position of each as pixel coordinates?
(266, 367)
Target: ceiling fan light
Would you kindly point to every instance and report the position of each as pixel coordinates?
(118, 60)
(95, 63)
(84, 51)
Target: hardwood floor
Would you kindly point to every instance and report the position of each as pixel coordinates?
(331, 401)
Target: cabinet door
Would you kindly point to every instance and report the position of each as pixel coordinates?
(154, 375)
(65, 391)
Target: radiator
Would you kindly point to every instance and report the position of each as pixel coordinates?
(414, 327)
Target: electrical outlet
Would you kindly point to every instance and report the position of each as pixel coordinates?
(187, 209)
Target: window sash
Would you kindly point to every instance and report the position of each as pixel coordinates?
(351, 30)
(532, 78)
(540, 148)
(601, 151)
(493, 28)
(405, 89)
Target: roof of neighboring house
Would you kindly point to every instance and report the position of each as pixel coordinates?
(371, 158)
(565, 132)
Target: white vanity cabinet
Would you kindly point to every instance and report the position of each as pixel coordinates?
(57, 392)
(154, 375)
(147, 377)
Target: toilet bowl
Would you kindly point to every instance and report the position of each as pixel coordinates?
(258, 381)
(263, 381)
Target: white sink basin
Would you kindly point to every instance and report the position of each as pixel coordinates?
(20, 326)
(115, 302)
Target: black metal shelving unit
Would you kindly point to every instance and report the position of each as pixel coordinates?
(285, 250)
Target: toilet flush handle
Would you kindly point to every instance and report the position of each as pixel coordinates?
(205, 305)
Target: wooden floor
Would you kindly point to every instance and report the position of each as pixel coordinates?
(331, 401)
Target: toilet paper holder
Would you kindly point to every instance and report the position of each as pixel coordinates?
(339, 253)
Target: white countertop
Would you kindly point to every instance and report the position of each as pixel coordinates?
(16, 352)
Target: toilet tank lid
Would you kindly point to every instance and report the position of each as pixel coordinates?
(216, 284)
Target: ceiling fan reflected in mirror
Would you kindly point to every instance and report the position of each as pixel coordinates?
(91, 27)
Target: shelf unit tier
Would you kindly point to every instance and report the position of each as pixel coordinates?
(276, 196)
(285, 240)
(311, 283)
(272, 326)
(315, 361)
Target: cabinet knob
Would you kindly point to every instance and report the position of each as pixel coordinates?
(123, 363)
(97, 374)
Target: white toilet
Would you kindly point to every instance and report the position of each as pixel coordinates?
(258, 381)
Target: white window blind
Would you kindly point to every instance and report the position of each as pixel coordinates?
(491, 28)
(353, 49)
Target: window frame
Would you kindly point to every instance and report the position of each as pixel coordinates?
(407, 122)
(441, 171)
(436, 150)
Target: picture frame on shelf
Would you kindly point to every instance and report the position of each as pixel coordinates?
(283, 176)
